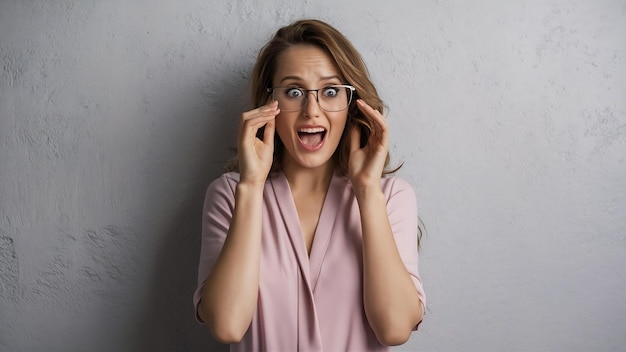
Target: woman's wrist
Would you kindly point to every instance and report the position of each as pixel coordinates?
(369, 192)
(250, 187)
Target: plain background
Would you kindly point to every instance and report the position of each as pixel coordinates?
(510, 118)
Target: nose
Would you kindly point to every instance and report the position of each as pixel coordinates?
(311, 106)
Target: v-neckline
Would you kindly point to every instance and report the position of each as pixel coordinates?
(311, 264)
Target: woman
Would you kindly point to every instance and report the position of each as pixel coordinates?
(306, 246)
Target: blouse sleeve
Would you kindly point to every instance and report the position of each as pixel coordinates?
(402, 212)
(219, 203)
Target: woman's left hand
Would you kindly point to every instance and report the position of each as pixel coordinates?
(367, 164)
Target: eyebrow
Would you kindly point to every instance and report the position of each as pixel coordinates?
(296, 78)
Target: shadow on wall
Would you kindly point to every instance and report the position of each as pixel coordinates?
(168, 322)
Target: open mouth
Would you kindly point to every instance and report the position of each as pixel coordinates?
(312, 137)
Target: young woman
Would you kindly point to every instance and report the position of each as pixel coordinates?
(308, 244)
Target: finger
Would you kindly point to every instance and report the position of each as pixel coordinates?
(249, 128)
(268, 133)
(272, 106)
(366, 108)
(254, 120)
(385, 135)
(371, 113)
(259, 121)
(355, 139)
(379, 132)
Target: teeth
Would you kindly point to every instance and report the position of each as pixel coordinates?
(311, 130)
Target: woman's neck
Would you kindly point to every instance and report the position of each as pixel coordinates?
(309, 180)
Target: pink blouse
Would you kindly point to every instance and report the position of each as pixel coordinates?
(309, 303)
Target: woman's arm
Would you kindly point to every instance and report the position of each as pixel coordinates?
(392, 303)
(230, 292)
(391, 300)
(229, 295)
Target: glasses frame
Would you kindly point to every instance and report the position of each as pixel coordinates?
(317, 99)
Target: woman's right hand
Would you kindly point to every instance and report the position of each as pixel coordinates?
(256, 155)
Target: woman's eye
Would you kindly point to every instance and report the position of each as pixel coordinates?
(331, 92)
(294, 92)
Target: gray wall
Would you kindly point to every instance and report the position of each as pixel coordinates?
(510, 118)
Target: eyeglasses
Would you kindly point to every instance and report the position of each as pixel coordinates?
(331, 99)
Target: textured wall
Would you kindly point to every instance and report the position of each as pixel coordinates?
(510, 118)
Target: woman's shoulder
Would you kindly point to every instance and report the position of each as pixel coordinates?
(230, 180)
(399, 193)
(227, 177)
(389, 184)
(225, 182)
(231, 177)
(393, 183)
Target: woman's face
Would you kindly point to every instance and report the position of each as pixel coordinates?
(311, 135)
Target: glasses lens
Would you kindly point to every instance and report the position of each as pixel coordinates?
(289, 98)
(335, 98)
(331, 98)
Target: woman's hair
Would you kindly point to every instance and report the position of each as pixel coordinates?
(350, 65)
